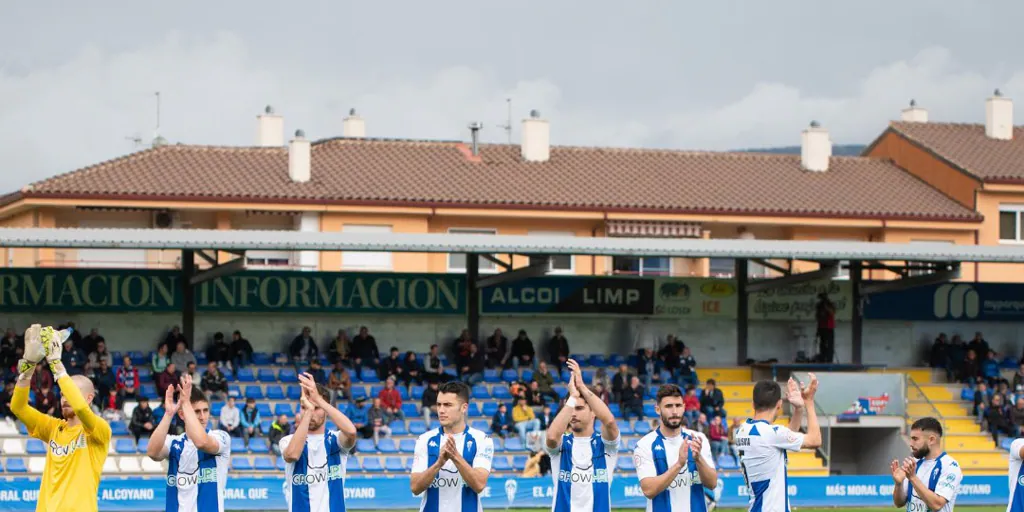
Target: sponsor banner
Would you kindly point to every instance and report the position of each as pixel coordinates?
(249, 493)
(978, 302)
(695, 298)
(579, 295)
(858, 394)
(160, 290)
(799, 301)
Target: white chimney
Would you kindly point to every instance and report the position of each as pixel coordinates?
(999, 117)
(299, 159)
(815, 148)
(269, 129)
(914, 113)
(353, 125)
(536, 144)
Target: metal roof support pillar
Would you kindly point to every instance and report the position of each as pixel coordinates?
(742, 276)
(473, 296)
(857, 320)
(188, 297)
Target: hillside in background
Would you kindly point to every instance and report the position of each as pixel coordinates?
(837, 150)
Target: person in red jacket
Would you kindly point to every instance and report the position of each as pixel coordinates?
(127, 379)
(391, 401)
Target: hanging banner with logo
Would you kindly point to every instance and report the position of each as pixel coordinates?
(971, 302)
(695, 298)
(800, 301)
(391, 492)
(852, 394)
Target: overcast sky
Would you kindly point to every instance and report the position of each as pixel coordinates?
(77, 79)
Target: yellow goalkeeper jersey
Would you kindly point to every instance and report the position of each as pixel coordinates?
(74, 455)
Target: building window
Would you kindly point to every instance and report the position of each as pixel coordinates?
(1010, 223)
(457, 262)
(654, 266)
(559, 263)
(257, 260)
(363, 260)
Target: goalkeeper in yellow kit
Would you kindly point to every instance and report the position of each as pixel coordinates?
(76, 446)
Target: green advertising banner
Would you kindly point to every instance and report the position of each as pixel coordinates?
(252, 291)
(694, 298)
(799, 301)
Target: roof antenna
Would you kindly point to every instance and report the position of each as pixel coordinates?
(508, 124)
(158, 139)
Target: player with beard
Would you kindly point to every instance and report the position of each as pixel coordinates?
(582, 460)
(930, 479)
(77, 444)
(314, 459)
(674, 464)
(451, 464)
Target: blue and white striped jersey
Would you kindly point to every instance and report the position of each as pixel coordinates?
(655, 453)
(762, 448)
(196, 480)
(582, 468)
(316, 481)
(448, 492)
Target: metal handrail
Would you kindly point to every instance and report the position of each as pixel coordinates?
(912, 384)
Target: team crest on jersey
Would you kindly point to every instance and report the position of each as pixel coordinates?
(1020, 481)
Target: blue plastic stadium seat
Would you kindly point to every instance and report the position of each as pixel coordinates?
(124, 446)
(642, 428)
(481, 392)
(407, 445)
(501, 463)
(275, 392)
(201, 359)
(375, 391)
(266, 375)
(417, 427)
(264, 409)
(241, 464)
(35, 447)
(145, 375)
(651, 393)
(215, 408)
(519, 462)
(280, 464)
(279, 358)
(474, 409)
(649, 411)
(265, 426)
(409, 409)
(417, 392)
(294, 392)
(482, 425)
(138, 358)
(369, 376)
(262, 358)
(615, 360)
(245, 375)
(284, 409)
(372, 464)
(967, 394)
(514, 444)
(21, 427)
(358, 392)
(148, 391)
(434, 424)
(238, 445)
(16, 465)
(491, 376)
(398, 428)
(615, 409)
(1006, 442)
(235, 390)
(588, 376)
(258, 445)
(625, 428)
(631, 444)
(288, 375)
(143, 444)
(387, 445)
(579, 358)
(489, 408)
(626, 464)
(561, 389)
(266, 464)
(394, 464)
(403, 392)
(509, 375)
(118, 428)
(527, 375)
(556, 376)
(365, 446)
(598, 360)
(727, 462)
(254, 391)
(501, 392)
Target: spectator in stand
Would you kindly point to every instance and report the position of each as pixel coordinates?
(645, 366)
(620, 382)
(545, 417)
(496, 349)
(111, 405)
(47, 403)
(522, 351)
(412, 370)
(182, 356)
(825, 314)
(231, 418)
(433, 370)
(633, 399)
(8, 350)
(340, 348)
(970, 370)
(100, 354)
(545, 382)
(990, 368)
(377, 422)
(391, 402)
(602, 393)
(278, 429)
(997, 418)
(501, 422)
(719, 438)
(392, 365)
(981, 400)
(939, 356)
(601, 377)
(471, 368)
(5, 400)
(168, 377)
(160, 360)
(712, 401)
(691, 406)
(127, 378)
(250, 420)
(241, 351)
(142, 423)
(461, 349)
(104, 380)
(91, 341)
(558, 348)
(173, 338)
(687, 371)
(317, 372)
(41, 379)
(214, 383)
(733, 431)
(533, 396)
(73, 358)
(979, 345)
(1018, 379)
(428, 403)
(359, 412)
(303, 350)
(191, 371)
(219, 352)
(702, 425)
(364, 350)
(339, 383)
(524, 418)
(669, 353)
(1017, 418)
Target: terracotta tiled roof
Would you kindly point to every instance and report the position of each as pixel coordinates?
(369, 171)
(967, 147)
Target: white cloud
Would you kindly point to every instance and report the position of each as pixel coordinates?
(64, 117)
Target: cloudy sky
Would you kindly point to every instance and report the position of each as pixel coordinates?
(77, 79)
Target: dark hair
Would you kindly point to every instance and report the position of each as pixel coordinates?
(668, 391)
(690, 387)
(711, 381)
(456, 388)
(324, 393)
(197, 395)
(767, 394)
(928, 425)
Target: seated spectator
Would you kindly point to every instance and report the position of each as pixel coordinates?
(391, 402)
(719, 438)
(545, 417)
(601, 377)
(214, 383)
(303, 350)
(522, 353)
(173, 338)
(428, 404)
(990, 368)
(691, 405)
(377, 423)
(100, 354)
(127, 378)
(633, 399)
(620, 382)
(558, 349)
(981, 400)
(8, 349)
(687, 368)
(317, 372)
(712, 401)
(250, 420)
(733, 432)
(545, 382)
(1018, 379)
(702, 424)
(219, 352)
(339, 349)
(1017, 418)
(339, 383)
(111, 404)
(939, 355)
(231, 418)
(391, 366)
(168, 377)
(73, 358)
(533, 396)
(191, 371)
(645, 364)
(358, 413)
(433, 370)
(602, 393)
(524, 418)
(997, 419)
(41, 379)
(496, 350)
(241, 351)
(5, 400)
(47, 403)
(182, 356)
(460, 348)
(364, 351)
(970, 369)
(501, 422)
(471, 368)
(412, 370)
(278, 429)
(160, 360)
(104, 379)
(142, 423)
(92, 341)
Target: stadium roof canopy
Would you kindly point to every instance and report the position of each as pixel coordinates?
(242, 240)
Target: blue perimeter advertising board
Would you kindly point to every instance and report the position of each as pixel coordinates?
(972, 302)
(251, 493)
